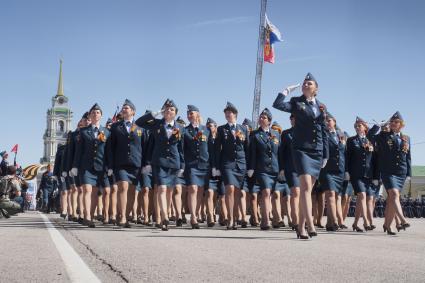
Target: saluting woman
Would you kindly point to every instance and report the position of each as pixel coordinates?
(232, 154)
(310, 145)
(125, 160)
(264, 162)
(394, 158)
(360, 168)
(197, 161)
(167, 157)
(90, 162)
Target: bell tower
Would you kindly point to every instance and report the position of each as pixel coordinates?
(59, 118)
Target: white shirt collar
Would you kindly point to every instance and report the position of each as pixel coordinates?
(194, 126)
(230, 124)
(313, 99)
(171, 123)
(362, 136)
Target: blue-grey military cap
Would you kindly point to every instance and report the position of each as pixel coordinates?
(231, 107)
(169, 103)
(95, 107)
(180, 121)
(267, 112)
(397, 116)
(85, 115)
(310, 77)
(191, 108)
(211, 121)
(130, 104)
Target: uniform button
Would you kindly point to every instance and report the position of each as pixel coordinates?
(337, 163)
(168, 157)
(396, 163)
(128, 144)
(314, 140)
(364, 165)
(128, 136)
(168, 143)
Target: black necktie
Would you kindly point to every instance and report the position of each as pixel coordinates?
(398, 140)
(196, 129)
(232, 128)
(128, 124)
(169, 126)
(96, 130)
(310, 102)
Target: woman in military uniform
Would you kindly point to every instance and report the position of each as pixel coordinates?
(232, 155)
(125, 160)
(310, 145)
(167, 157)
(90, 162)
(393, 151)
(289, 170)
(264, 162)
(214, 183)
(197, 161)
(360, 168)
(332, 175)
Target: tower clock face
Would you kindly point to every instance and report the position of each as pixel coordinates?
(61, 100)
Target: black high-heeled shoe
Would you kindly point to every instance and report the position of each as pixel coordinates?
(367, 228)
(405, 225)
(294, 227)
(179, 223)
(332, 228)
(312, 234)
(244, 224)
(195, 226)
(342, 226)
(388, 230)
(165, 225)
(157, 225)
(398, 227)
(301, 237)
(372, 227)
(357, 229)
(265, 228)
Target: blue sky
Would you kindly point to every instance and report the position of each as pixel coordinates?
(366, 55)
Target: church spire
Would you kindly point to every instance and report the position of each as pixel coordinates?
(60, 84)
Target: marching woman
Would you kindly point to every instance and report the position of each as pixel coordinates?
(167, 156)
(214, 183)
(232, 154)
(76, 190)
(264, 162)
(360, 165)
(332, 175)
(146, 195)
(197, 161)
(125, 159)
(281, 197)
(290, 173)
(310, 145)
(90, 162)
(393, 152)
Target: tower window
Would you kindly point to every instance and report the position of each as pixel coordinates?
(61, 126)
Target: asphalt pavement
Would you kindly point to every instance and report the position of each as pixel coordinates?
(46, 248)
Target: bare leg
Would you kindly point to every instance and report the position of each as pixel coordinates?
(295, 204)
(87, 201)
(230, 204)
(265, 208)
(178, 201)
(106, 203)
(306, 186)
(122, 195)
(276, 208)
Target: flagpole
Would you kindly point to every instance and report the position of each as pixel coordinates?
(259, 69)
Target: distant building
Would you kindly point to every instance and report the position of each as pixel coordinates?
(59, 118)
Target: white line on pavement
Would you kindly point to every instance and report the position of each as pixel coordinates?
(77, 269)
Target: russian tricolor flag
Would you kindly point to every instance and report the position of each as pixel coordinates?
(272, 35)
